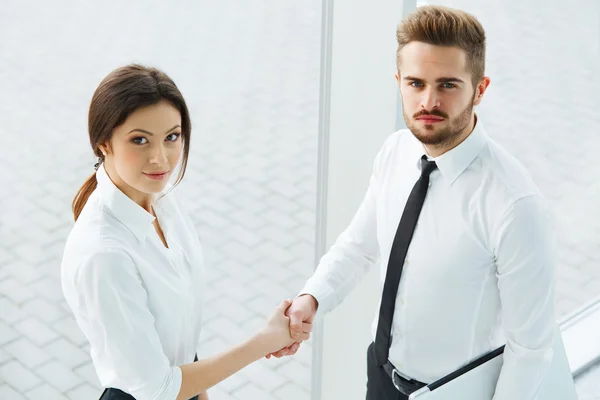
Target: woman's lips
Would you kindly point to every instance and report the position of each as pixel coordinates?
(157, 176)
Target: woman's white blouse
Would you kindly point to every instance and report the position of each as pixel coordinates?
(137, 302)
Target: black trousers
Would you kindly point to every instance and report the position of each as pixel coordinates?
(116, 394)
(380, 385)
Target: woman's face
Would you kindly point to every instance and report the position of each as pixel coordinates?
(144, 151)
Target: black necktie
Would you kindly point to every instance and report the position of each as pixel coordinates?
(404, 234)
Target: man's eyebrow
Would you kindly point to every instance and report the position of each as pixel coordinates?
(150, 133)
(449, 80)
(439, 80)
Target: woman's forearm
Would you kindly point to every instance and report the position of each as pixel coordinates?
(201, 375)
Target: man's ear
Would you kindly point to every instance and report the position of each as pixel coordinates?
(480, 89)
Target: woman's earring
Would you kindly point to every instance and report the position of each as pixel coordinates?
(97, 165)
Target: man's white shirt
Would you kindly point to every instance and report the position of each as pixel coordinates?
(480, 270)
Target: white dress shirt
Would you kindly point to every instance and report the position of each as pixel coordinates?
(136, 301)
(480, 270)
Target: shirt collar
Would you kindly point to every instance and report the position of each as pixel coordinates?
(454, 162)
(133, 216)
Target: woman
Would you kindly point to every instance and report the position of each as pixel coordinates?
(132, 269)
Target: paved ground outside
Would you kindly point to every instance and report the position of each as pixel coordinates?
(250, 73)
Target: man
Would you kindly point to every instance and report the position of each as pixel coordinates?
(460, 231)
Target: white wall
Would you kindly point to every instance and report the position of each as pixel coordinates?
(359, 100)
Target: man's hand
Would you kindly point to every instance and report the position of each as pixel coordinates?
(301, 312)
(203, 396)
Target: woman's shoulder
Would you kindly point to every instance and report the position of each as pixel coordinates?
(97, 224)
(94, 256)
(93, 270)
(95, 232)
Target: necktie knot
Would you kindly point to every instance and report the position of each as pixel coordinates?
(427, 167)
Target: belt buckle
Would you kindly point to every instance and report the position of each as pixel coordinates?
(401, 375)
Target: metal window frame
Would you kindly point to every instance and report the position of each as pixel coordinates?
(327, 10)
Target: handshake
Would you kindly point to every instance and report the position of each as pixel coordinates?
(289, 325)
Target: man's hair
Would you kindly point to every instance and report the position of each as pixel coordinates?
(443, 26)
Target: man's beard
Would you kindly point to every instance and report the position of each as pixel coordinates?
(444, 137)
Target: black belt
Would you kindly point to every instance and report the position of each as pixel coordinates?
(403, 383)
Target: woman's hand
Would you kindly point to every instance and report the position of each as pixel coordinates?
(276, 333)
(302, 313)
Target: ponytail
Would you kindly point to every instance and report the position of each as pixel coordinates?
(83, 195)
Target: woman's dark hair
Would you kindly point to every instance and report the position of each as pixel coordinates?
(122, 92)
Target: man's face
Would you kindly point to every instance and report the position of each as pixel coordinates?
(437, 92)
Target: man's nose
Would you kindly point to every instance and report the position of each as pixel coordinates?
(429, 100)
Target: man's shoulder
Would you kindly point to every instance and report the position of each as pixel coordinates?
(509, 174)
